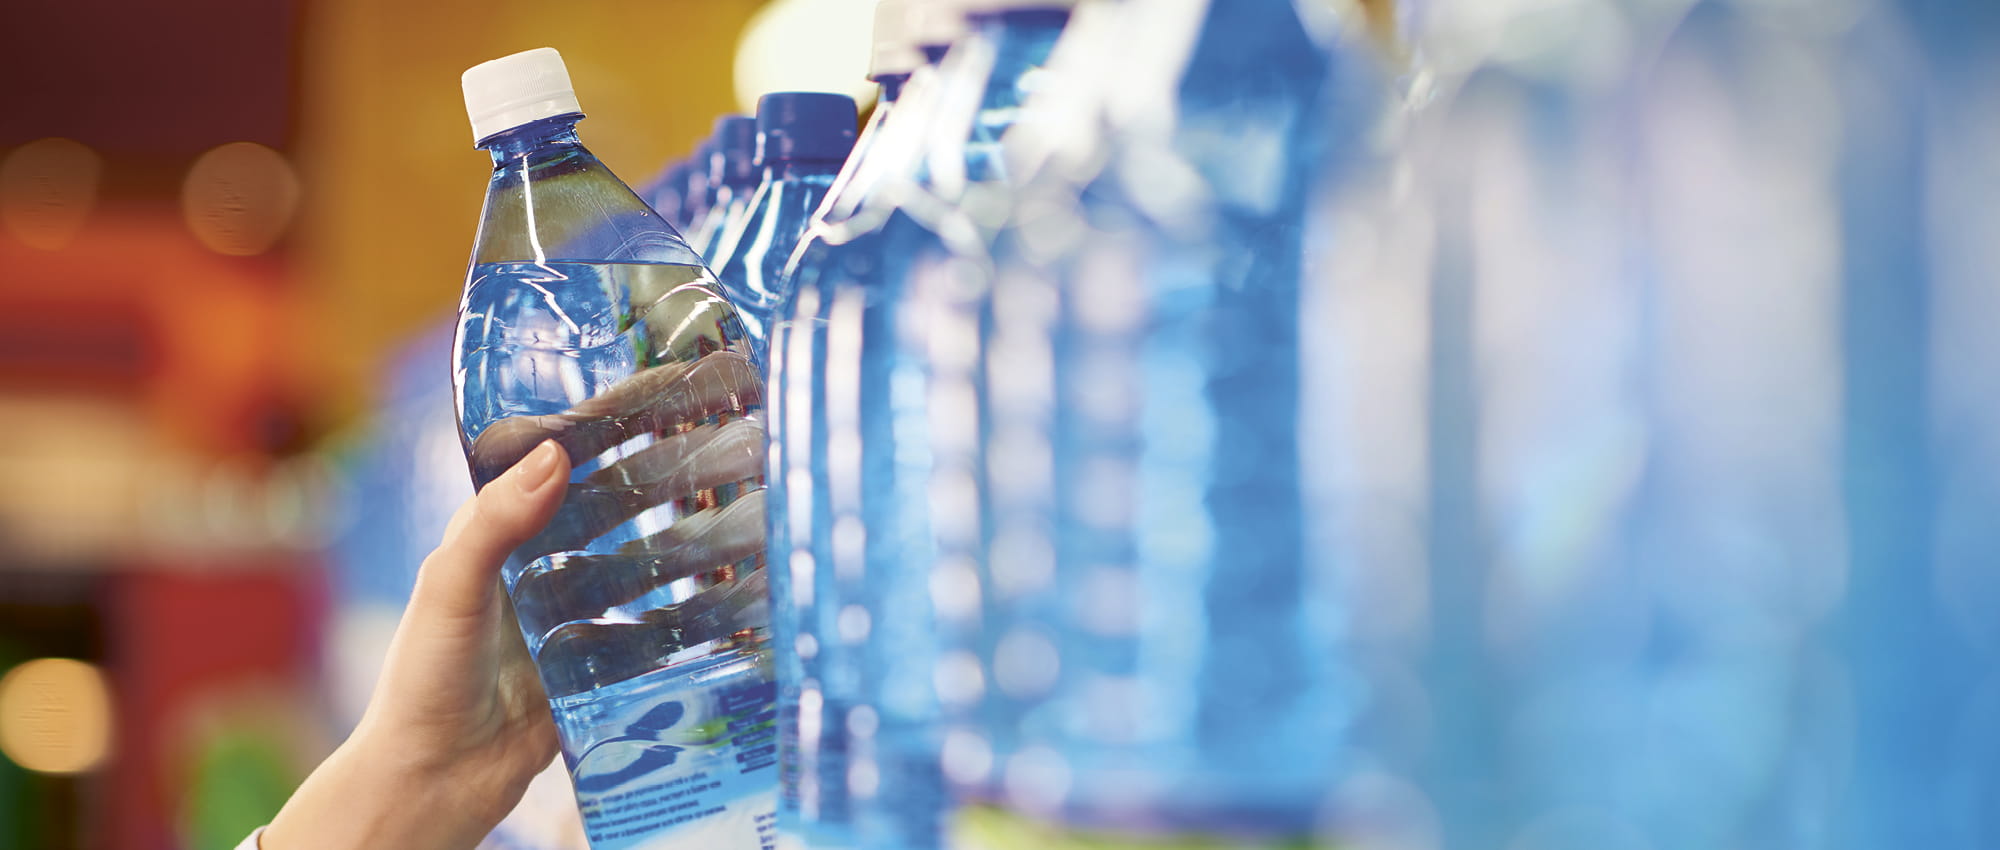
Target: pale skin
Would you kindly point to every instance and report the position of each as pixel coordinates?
(458, 723)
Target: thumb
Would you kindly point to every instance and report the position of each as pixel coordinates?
(456, 580)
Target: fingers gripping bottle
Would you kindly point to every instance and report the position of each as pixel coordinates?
(588, 320)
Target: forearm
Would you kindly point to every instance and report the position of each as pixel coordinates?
(361, 798)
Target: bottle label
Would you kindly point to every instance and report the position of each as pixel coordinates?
(688, 761)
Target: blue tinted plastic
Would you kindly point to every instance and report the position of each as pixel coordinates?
(732, 179)
(698, 195)
(802, 140)
(752, 261)
(667, 192)
(1158, 638)
(586, 320)
(813, 800)
(851, 365)
(1683, 590)
(1624, 571)
(804, 127)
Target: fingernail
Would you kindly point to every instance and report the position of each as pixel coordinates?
(535, 470)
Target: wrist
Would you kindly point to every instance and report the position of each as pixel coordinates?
(365, 796)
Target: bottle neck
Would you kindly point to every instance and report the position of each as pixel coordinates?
(892, 88)
(556, 133)
(1001, 61)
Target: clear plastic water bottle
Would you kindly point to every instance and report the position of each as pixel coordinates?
(899, 49)
(860, 470)
(818, 679)
(1921, 418)
(802, 139)
(1625, 575)
(924, 30)
(1160, 646)
(732, 179)
(588, 321)
(1004, 382)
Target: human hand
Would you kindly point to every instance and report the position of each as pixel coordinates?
(458, 723)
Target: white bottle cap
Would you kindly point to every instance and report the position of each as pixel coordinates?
(895, 43)
(507, 92)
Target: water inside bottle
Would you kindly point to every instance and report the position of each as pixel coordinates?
(643, 601)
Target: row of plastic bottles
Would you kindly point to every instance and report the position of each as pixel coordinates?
(1034, 420)
(1260, 423)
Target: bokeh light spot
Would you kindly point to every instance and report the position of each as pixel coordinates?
(239, 198)
(806, 45)
(47, 189)
(55, 716)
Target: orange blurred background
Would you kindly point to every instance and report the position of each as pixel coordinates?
(218, 221)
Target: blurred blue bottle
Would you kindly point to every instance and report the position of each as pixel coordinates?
(901, 46)
(732, 179)
(818, 679)
(667, 193)
(588, 321)
(1635, 522)
(857, 345)
(996, 386)
(1921, 415)
(1162, 651)
(912, 37)
(802, 139)
(697, 195)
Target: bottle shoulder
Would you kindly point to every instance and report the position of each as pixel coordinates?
(566, 205)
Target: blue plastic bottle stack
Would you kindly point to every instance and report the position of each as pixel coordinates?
(1684, 581)
(1009, 372)
(732, 179)
(1159, 641)
(819, 675)
(894, 137)
(1607, 542)
(802, 139)
(1920, 411)
(1600, 463)
(855, 353)
(908, 35)
(587, 320)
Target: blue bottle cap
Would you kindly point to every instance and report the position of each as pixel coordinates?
(733, 161)
(804, 126)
